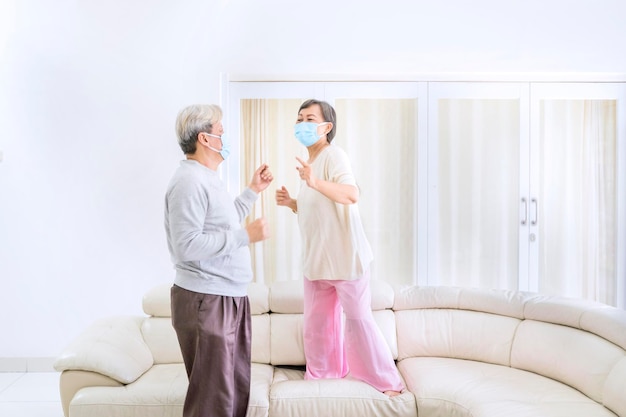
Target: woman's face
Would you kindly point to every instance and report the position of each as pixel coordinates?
(311, 114)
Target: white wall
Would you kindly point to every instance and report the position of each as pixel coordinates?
(89, 92)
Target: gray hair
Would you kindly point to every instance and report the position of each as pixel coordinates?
(195, 119)
(328, 112)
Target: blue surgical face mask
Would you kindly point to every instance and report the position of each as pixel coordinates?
(225, 151)
(306, 132)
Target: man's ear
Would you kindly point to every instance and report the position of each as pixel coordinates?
(202, 138)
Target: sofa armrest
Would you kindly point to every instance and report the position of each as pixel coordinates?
(73, 381)
(113, 347)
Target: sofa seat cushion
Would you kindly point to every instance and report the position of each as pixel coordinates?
(160, 392)
(462, 388)
(291, 395)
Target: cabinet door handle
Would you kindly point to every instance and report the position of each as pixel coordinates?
(534, 220)
(525, 219)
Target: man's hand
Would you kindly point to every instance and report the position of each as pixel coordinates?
(258, 230)
(261, 179)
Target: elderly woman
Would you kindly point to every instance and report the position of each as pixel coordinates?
(209, 249)
(337, 256)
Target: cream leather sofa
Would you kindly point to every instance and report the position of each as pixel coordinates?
(461, 351)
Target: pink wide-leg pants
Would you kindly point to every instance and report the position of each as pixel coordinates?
(365, 354)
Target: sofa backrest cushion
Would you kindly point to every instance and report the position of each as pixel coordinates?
(615, 389)
(258, 294)
(601, 319)
(286, 297)
(607, 322)
(261, 338)
(455, 333)
(161, 339)
(156, 302)
(286, 339)
(575, 357)
(501, 302)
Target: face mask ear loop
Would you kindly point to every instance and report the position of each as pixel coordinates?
(324, 123)
(212, 148)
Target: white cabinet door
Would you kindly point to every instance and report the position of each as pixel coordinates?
(478, 150)
(528, 178)
(577, 216)
(383, 128)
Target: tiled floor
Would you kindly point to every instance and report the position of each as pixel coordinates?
(30, 394)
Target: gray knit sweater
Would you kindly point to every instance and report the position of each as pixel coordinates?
(207, 244)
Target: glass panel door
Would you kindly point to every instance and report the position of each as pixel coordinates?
(380, 135)
(478, 153)
(576, 193)
(380, 126)
(260, 122)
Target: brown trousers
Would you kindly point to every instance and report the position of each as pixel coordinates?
(215, 339)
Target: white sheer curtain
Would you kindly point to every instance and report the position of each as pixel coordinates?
(267, 137)
(380, 136)
(380, 139)
(478, 192)
(577, 201)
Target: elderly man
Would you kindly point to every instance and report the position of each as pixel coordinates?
(209, 249)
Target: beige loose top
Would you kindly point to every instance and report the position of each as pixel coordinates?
(333, 240)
